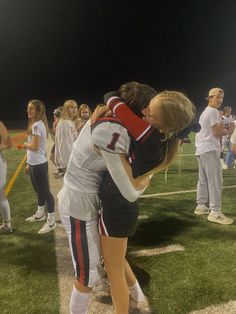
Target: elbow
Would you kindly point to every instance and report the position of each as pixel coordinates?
(130, 197)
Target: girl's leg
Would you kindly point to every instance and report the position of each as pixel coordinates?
(5, 211)
(40, 213)
(138, 299)
(42, 187)
(114, 251)
(4, 205)
(133, 285)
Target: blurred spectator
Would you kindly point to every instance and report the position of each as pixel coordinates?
(66, 134)
(208, 148)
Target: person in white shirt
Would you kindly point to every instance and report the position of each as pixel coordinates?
(84, 113)
(37, 165)
(5, 143)
(79, 203)
(226, 145)
(208, 148)
(66, 134)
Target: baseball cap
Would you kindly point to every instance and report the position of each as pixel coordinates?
(57, 112)
(214, 91)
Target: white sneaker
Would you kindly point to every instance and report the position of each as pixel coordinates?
(5, 229)
(140, 305)
(202, 209)
(224, 165)
(219, 218)
(47, 227)
(34, 218)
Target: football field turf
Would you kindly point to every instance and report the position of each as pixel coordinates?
(201, 274)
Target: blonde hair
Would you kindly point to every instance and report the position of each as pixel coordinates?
(82, 107)
(177, 112)
(66, 105)
(40, 115)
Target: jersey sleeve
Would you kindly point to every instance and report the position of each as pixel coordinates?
(111, 137)
(36, 129)
(120, 177)
(136, 126)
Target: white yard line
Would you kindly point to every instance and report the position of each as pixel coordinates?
(180, 192)
(158, 251)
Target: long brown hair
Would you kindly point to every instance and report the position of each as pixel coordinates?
(137, 96)
(40, 115)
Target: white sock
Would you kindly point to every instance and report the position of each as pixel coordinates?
(79, 302)
(136, 292)
(51, 218)
(41, 211)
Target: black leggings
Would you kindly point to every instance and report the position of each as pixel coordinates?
(39, 179)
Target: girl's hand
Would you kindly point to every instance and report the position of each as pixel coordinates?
(98, 112)
(20, 146)
(27, 170)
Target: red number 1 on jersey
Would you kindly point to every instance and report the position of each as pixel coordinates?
(112, 144)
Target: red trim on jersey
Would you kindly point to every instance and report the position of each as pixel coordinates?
(80, 251)
(136, 126)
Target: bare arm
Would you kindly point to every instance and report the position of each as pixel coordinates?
(34, 145)
(219, 130)
(5, 138)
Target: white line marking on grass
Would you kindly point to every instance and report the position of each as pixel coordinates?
(180, 192)
(158, 251)
(142, 217)
(227, 308)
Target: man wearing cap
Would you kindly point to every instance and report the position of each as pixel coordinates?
(208, 148)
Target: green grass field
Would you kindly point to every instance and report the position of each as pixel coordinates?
(201, 275)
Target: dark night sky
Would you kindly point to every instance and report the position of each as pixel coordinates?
(61, 49)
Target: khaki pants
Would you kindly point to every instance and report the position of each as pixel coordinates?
(210, 181)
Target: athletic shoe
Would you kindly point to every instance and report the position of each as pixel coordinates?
(142, 306)
(47, 227)
(219, 218)
(224, 166)
(202, 209)
(34, 218)
(5, 229)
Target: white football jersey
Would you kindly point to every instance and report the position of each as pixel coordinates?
(85, 169)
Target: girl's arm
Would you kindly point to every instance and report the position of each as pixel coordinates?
(5, 138)
(34, 145)
(136, 126)
(121, 173)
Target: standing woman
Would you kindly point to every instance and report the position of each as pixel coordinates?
(66, 134)
(84, 114)
(37, 165)
(5, 143)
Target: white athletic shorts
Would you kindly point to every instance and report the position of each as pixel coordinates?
(84, 242)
